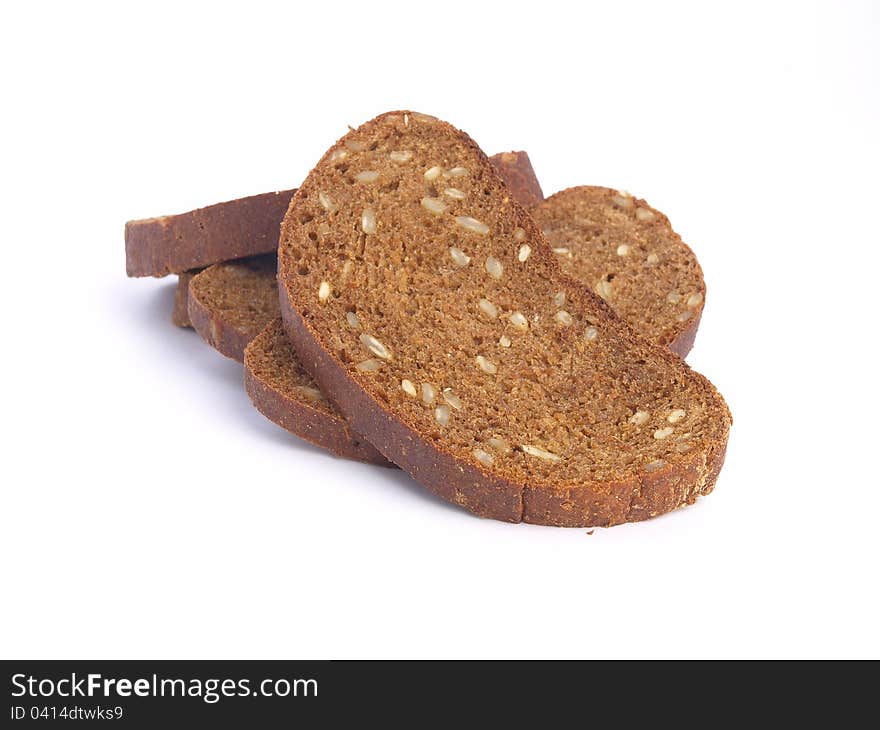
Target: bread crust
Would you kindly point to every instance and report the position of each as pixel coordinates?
(299, 417)
(180, 311)
(684, 342)
(516, 170)
(482, 492)
(234, 229)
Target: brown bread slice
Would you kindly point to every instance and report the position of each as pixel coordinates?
(230, 303)
(627, 252)
(173, 244)
(286, 394)
(445, 332)
(515, 168)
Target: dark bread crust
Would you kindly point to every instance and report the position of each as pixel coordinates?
(684, 342)
(486, 493)
(173, 244)
(180, 312)
(264, 356)
(515, 168)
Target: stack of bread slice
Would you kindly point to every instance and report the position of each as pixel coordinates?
(415, 303)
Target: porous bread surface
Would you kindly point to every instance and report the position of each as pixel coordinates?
(515, 168)
(443, 329)
(180, 311)
(230, 303)
(628, 253)
(287, 395)
(172, 244)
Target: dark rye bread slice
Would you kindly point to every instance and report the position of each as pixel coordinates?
(444, 330)
(285, 393)
(173, 244)
(230, 303)
(627, 252)
(516, 170)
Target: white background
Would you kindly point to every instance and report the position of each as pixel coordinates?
(149, 511)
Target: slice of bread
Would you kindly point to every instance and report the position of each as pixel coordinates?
(286, 394)
(231, 303)
(627, 252)
(180, 311)
(442, 327)
(516, 170)
(173, 244)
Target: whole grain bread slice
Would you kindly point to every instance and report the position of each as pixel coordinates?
(173, 244)
(232, 302)
(443, 329)
(628, 253)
